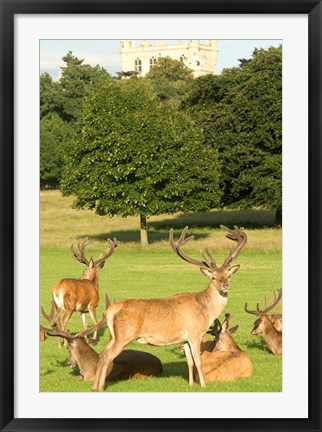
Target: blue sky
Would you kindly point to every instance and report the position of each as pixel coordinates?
(105, 53)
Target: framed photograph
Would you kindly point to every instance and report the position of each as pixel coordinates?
(34, 394)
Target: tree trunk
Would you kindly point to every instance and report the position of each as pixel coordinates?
(143, 231)
(278, 217)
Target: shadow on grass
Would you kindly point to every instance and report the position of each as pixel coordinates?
(159, 230)
(214, 218)
(260, 345)
(169, 370)
(175, 369)
(130, 236)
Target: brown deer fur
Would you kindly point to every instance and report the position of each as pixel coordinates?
(42, 335)
(226, 362)
(181, 318)
(268, 325)
(276, 320)
(272, 337)
(129, 364)
(81, 295)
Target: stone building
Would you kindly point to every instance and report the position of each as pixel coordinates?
(199, 56)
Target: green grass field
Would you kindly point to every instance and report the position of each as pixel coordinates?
(157, 272)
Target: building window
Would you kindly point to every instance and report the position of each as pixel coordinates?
(182, 58)
(153, 61)
(138, 65)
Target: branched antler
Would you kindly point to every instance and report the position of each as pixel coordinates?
(264, 311)
(80, 256)
(238, 235)
(112, 245)
(207, 262)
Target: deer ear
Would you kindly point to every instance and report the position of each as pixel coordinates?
(206, 272)
(233, 329)
(91, 263)
(224, 326)
(233, 269)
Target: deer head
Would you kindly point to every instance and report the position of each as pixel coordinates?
(93, 266)
(261, 314)
(223, 340)
(219, 276)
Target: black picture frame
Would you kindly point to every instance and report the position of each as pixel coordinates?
(9, 8)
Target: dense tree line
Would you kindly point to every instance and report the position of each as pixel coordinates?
(166, 142)
(240, 112)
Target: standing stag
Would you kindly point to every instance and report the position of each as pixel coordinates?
(225, 361)
(130, 364)
(266, 326)
(181, 318)
(82, 295)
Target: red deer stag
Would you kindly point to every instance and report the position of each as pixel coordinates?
(176, 319)
(226, 361)
(264, 325)
(130, 364)
(82, 295)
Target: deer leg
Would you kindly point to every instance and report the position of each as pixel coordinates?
(189, 358)
(64, 321)
(195, 350)
(105, 364)
(92, 313)
(83, 315)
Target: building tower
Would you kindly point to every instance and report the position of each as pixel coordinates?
(199, 56)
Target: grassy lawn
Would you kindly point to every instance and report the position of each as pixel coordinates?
(157, 272)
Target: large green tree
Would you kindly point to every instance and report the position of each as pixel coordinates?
(240, 112)
(54, 133)
(77, 81)
(51, 98)
(61, 113)
(137, 156)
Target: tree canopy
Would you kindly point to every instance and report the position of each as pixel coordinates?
(54, 133)
(77, 81)
(136, 156)
(171, 80)
(240, 112)
(61, 113)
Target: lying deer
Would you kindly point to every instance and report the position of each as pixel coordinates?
(264, 325)
(130, 364)
(181, 318)
(82, 295)
(226, 361)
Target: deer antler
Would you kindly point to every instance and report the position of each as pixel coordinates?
(57, 331)
(208, 261)
(112, 245)
(272, 305)
(54, 321)
(238, 235)
(80, 256)
(215, 329)
(260, 312)
(51, 318)
(90, 330)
